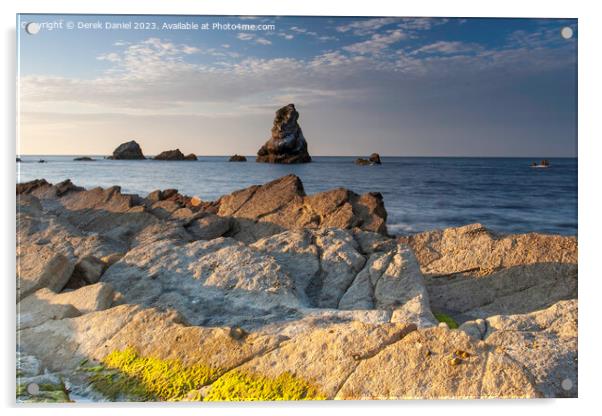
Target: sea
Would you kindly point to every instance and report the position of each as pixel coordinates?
(506, 195)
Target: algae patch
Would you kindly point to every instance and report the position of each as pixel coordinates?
(239, 386)
(133, 377)
(441, 317)
(44, 393)
(126, 375)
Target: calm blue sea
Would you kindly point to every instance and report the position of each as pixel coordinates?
(504, 194)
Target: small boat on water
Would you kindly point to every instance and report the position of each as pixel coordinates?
(543, 164)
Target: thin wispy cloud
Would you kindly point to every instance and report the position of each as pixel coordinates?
(377, 43)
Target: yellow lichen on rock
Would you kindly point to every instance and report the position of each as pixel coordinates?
(126, 375)
(240, 386)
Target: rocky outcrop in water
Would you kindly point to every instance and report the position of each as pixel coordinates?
(130, 150)
(374, 159)
(237, 158)
(287, 144)
(269, 282)
(174, 155)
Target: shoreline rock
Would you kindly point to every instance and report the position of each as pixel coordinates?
(269, 281)
(287, 144)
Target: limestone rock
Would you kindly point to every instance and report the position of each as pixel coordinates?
(128, 150)
(284, 281)
(287, 144)
(339, 264)
(209, 227)
(476, 273)
(327, 356)
(28, 187)
(519, 289)
(164, 209)
(474, 249)
(420, 366)
(297, 254)
(391, 281)
(87, 271)
(162, 335)
(91, 298)
(39, 267)
(36, 309)
(62, 344)
(545, 342)
(221, 281)
(261, 211)
(47, 228)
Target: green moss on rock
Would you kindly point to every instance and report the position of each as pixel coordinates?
(441, 317)
(46, 393)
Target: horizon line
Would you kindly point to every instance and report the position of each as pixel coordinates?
(327, 155)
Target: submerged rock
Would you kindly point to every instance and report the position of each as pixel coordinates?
(130, 150)
(84, 159)
(287, 144)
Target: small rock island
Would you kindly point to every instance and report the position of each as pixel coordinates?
(287, 144)
(237, 158)
(175, 155)
(128, 151)
(374, 159)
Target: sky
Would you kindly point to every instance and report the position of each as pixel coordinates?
(396, 86)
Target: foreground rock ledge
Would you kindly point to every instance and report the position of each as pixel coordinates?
(269, 281)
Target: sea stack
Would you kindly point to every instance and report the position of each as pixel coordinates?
(287, 144)
(130, 150)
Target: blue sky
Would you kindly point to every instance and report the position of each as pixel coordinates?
(397, 86)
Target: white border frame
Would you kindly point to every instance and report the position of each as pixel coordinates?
(589, 33)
